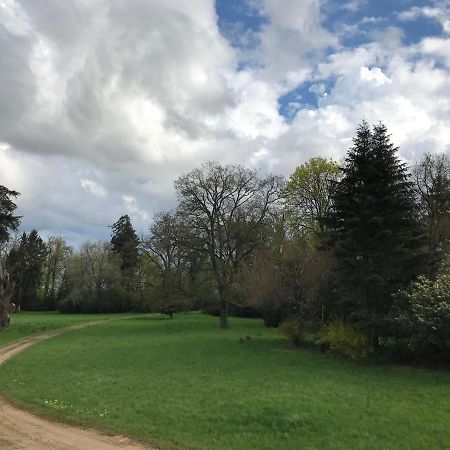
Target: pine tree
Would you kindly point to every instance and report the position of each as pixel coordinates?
(377, 237)
(8, 221)
(25, 264)
(125, 243)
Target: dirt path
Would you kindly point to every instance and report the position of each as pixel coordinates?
(22, 430)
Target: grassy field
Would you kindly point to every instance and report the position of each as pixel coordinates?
(185, 383)
(28, 323)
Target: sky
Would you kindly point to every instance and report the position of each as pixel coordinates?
(104, 103)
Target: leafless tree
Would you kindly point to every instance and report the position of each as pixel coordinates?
(226, 209)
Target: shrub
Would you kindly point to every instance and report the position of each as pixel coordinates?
(421, 317)
(344, 339)
(294, 330)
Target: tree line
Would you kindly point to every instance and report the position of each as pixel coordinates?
(354, 254)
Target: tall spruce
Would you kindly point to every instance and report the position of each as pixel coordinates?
(377, 238)
(25, 264)
(125, 243)
(8, 221)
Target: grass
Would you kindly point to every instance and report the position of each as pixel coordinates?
(185, 383)
(27, 324)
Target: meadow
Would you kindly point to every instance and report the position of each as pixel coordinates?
(27, 324)
(184, 383)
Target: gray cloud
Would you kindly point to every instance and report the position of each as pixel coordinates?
(104, 103)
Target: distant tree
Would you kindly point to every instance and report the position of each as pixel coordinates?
(25, 264)
(8, 221)
(226, 208)
(92, 281)
(375, 231)
(55, 264)
(125, 243)
(163, 246)
(307, 195)
(288, 282)
(432, 177)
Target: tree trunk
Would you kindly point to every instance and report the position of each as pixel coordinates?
(5, 297)
(224, 315)
(4, 319)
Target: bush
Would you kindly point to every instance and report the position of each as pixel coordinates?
(421, 318)
(294, 330)
(344, 339)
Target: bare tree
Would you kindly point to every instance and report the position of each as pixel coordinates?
(226, 209)
(432, 176)
(163, 247)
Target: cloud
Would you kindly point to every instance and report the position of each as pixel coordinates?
(104, 103)
(439, 11)
(93, 187)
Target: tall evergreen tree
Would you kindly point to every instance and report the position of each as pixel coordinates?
(25, 264)
(377, 237)
(8, 221)
(125, 243)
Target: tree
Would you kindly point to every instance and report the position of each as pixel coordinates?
(163, 246)
(25, 264)
(92, 281)
(432, 177)
(125, 243)
(307, 195)
(5, 295)
(287, 283)
(376, 236)
(55, 264)
(421, 316)
(227, 209)
(8, 221)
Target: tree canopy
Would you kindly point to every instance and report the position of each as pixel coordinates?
(226, 209)
(376, 234)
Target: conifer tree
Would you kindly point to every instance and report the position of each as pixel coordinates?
(25, 264)
(8, 221)
(375, 228)
(125, 243)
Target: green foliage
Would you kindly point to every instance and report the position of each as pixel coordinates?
(8, 221)
(344, 339)
(422, 316)
(125, 243)
(375, 232)
(25, 264)
(93, 283)
(294, 330)
(307, 195)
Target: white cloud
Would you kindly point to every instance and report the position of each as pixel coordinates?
(93, 187)
(132, 208)
(439, 11)
(438, 48)
(93, 127)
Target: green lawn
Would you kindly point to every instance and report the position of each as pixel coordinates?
(28, 323)
(185, 383)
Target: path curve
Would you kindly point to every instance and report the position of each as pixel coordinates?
(22, 430)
